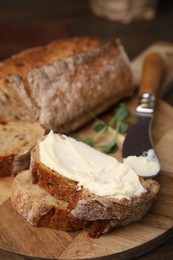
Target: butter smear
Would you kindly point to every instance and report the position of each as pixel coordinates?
(145, 165)
(101, 174)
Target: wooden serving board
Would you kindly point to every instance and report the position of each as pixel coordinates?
(19, 237)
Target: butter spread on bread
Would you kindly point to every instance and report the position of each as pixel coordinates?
(46, 198)
(39, 208)
(101, 174)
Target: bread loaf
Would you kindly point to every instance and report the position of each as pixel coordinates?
(64, 81)
(17, 140)
(13, 103)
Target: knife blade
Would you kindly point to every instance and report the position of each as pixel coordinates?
(138, 151)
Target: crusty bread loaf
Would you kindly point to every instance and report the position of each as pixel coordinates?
(17, 140)
(39, 208)
(65, 80)
(86, 205)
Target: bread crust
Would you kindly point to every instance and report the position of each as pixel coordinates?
(92, 207)
(22, 63)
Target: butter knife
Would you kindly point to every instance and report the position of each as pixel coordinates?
(138, 151)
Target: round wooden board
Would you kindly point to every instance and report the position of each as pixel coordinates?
(17, 236)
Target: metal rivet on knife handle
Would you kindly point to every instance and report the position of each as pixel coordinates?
(152, 74)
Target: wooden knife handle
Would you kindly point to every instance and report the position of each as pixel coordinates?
(152, 73)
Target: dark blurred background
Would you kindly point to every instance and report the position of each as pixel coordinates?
(25, 24)
(29, 23)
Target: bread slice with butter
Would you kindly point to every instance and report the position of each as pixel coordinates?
(39, 208)
(61, 83)
(17, 140)
(95, 185)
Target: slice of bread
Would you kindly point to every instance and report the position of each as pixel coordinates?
(39, 208)
(67, 79)
(86, 205)
(17, 140)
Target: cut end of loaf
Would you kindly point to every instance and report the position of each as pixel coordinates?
(17, 140)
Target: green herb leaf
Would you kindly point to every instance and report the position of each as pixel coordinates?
(100, 127)
(122, 113)
(110, 148)
(89, 141)
(123, 127)
(118, 121)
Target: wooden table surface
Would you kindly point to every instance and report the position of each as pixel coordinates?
(25, 24)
